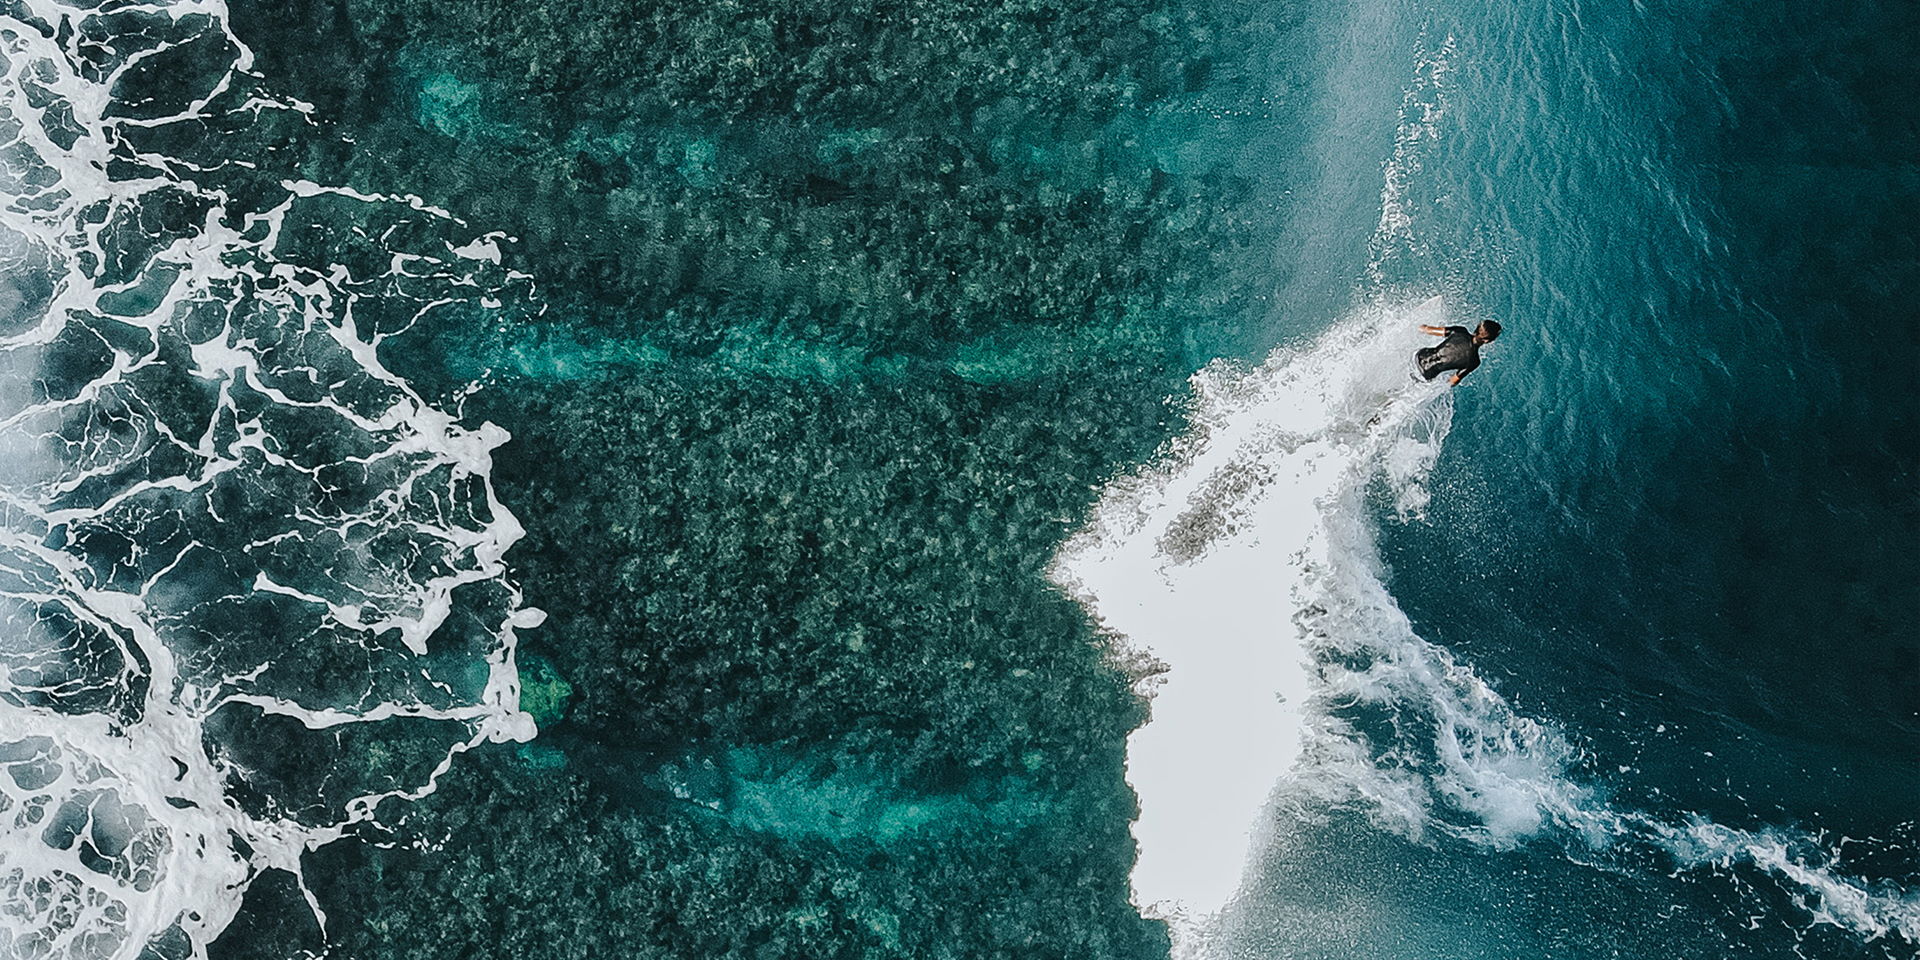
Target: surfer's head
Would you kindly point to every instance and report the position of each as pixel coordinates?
(1487, 330)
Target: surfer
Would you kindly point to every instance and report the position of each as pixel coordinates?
(1459, 351)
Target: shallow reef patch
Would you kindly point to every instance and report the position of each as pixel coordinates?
(816, 326)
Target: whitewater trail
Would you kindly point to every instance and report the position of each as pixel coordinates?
(1204, 560)
(1243, 565)
(1218, 560)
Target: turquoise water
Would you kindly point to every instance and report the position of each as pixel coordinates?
(810, 337)
(1674, 517)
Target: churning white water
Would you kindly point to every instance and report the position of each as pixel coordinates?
(1206, 560)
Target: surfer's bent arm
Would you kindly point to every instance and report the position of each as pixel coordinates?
(1462, 375)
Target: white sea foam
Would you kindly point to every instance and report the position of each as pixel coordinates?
(164, 540)
(1223, 560)
(1205, 560)
(1244, 563)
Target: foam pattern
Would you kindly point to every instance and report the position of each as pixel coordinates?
(238, 554)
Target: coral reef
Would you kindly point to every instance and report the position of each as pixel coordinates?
(816, 327)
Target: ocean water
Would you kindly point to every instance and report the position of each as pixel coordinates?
(944, 478)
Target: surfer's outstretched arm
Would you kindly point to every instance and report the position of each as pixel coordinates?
(1436, 331)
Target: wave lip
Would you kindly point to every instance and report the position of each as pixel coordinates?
(1202, 560)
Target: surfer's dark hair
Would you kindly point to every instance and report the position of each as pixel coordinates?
(1492, 328)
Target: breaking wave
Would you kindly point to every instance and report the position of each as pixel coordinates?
(1243, 568)
(1245, 565)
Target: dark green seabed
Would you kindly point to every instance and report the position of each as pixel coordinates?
(839, 315)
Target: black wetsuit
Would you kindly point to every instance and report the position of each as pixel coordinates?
(1456, 352)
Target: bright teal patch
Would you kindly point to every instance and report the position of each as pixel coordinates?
(695, 158)
(543, 692)
(451, 106)
(1029, 356)
(541, 756)
(768, 792)
(758, 351)
(746, 350)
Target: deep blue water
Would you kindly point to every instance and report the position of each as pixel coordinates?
(1675, 511)
(818, 330)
